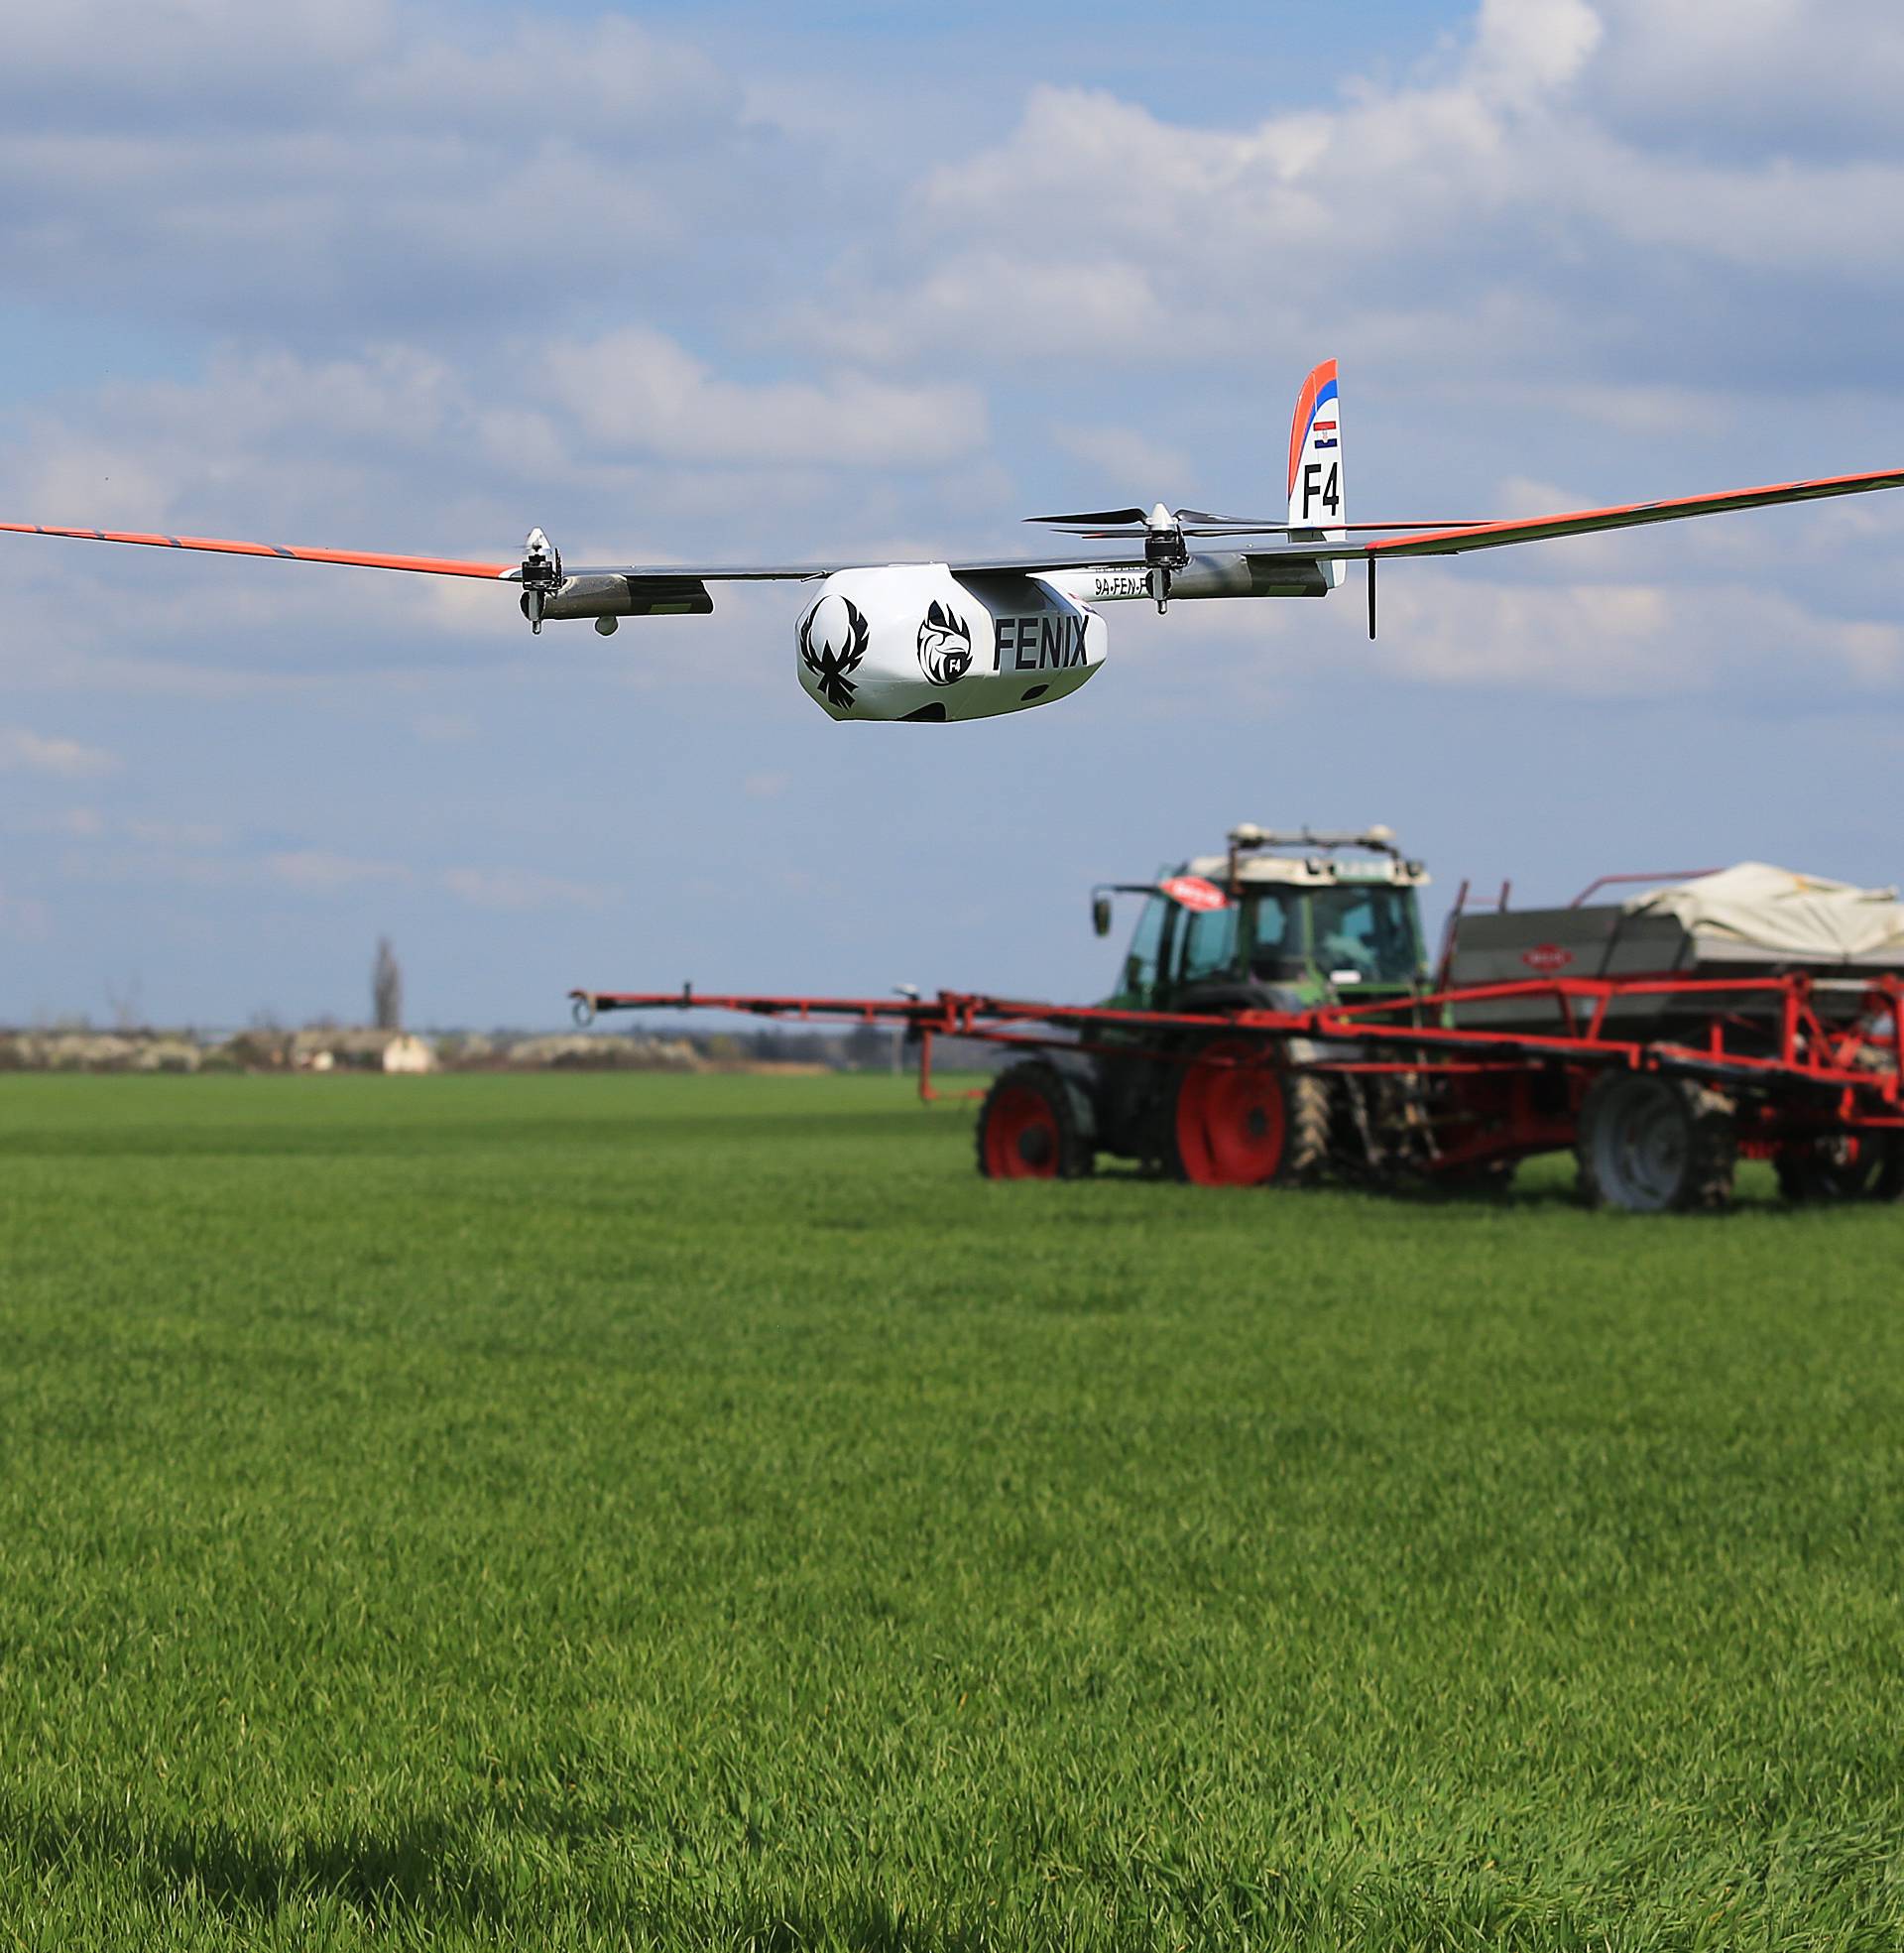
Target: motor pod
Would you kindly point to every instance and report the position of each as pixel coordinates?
(606, 595)
(1237, 574)
(913, 641)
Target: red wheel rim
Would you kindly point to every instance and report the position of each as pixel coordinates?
(1021, 1136)
(1232, 1121)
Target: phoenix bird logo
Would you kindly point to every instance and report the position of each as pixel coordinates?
(833, 638)
(945, 646)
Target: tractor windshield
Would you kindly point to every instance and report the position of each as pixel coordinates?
(1138, 981)
(1207, 944)
(1276, 947)
(1368, 930)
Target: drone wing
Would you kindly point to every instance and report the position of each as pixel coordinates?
(1584, 522)
(510, 572)
(364, 559)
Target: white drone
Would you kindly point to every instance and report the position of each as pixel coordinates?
(932, 642)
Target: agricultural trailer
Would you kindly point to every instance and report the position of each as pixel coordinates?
(1276, 1022)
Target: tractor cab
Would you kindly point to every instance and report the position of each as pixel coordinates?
(1278, 920)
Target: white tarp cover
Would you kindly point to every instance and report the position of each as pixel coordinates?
(1772, 909)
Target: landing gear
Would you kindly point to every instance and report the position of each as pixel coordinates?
(1651, 1145)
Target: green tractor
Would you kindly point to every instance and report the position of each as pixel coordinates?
(1278, 922)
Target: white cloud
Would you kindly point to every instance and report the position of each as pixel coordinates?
(638, 391)
(513, 889)
(1529, 50)
(71, 823)
(91, 823)
(1765, 75)
(1076, 303)
(24, 918)
(65, 759)
(362, 162)
(1504, 175)
(1123, 455)
(1463, 631)
(318, 870)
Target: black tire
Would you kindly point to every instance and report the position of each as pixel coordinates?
(1817, 1172)
(1651, 1145)
(1257, 1123)
(1029, 1128)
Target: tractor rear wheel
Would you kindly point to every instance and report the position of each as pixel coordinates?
(1243, 1120)
(1651, 1145)
(1029, 1128)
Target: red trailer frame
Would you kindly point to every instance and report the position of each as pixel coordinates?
(1799, 1074)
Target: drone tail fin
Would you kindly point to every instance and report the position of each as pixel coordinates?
(1316, 501)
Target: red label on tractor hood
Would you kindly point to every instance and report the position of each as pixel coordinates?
(1192, 891)
(1547, 957)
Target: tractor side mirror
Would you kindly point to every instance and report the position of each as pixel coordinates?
(1101, 914)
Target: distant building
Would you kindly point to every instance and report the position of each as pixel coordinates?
(409, 1052)
(339, 1048)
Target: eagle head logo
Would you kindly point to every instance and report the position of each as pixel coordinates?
(945, 646)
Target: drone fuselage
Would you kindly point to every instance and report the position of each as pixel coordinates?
(917, 642)
(911, 641)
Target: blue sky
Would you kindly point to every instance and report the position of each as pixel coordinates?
(734, 280)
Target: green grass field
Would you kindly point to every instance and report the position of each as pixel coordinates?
(627, 1512)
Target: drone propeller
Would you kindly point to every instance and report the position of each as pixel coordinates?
(1109, 525)
(1095, 518)
(1161, 532)
(542, 578)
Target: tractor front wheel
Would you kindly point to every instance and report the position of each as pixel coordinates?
(1243, 1120)
(1029, 1128)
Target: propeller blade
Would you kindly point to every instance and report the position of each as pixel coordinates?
(1096, 516)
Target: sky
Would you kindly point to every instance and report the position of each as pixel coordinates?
(741, 282)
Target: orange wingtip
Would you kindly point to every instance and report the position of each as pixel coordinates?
(217, 545)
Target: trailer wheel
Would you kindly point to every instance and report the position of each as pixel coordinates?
(1843, 1166)
(1029, 1128)
(1649, 1144)
(1254, 1122)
